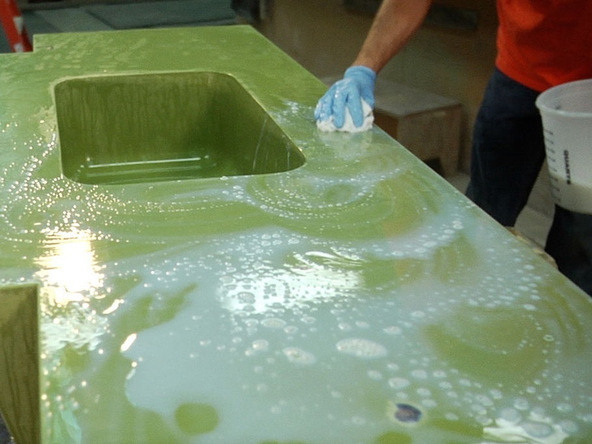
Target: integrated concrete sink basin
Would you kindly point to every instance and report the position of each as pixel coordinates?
(166, 126)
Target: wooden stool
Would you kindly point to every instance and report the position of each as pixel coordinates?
(426, 124)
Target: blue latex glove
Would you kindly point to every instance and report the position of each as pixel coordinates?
(357, 84)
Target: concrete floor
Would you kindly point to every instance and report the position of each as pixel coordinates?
(98, 16)
(535, 220)
(533, 223)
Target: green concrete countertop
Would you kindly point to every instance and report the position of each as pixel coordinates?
(333, 290)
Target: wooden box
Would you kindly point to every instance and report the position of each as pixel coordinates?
(426, 124)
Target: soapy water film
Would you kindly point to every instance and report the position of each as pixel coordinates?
(253, 303)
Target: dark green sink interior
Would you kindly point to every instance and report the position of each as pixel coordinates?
(170, 126)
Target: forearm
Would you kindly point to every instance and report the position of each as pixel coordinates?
(394, 24)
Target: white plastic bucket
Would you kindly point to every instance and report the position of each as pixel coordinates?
(566, 111)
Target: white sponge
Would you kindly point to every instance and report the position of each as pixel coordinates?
(349, 126)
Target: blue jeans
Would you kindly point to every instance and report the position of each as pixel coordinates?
(508, 152)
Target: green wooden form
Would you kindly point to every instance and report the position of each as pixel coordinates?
(184, 258)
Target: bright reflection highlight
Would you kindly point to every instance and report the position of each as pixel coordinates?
(304, 278)
(69, 267)
(128, 342)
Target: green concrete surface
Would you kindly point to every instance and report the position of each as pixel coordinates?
(184, 258)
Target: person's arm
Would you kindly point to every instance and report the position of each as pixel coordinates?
(395, 23)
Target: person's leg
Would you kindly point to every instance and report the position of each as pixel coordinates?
(508, 149)
(508, 152)
(570, 244)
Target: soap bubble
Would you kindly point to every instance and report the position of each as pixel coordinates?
(361, 348)
(407, 413)
(299, 356)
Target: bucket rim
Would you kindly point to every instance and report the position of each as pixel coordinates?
(555, 90)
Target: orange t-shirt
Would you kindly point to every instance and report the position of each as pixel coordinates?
(543, 43)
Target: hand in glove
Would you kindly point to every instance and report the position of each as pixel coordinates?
(357, 85)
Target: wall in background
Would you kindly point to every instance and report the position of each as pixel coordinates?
(325, 36)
